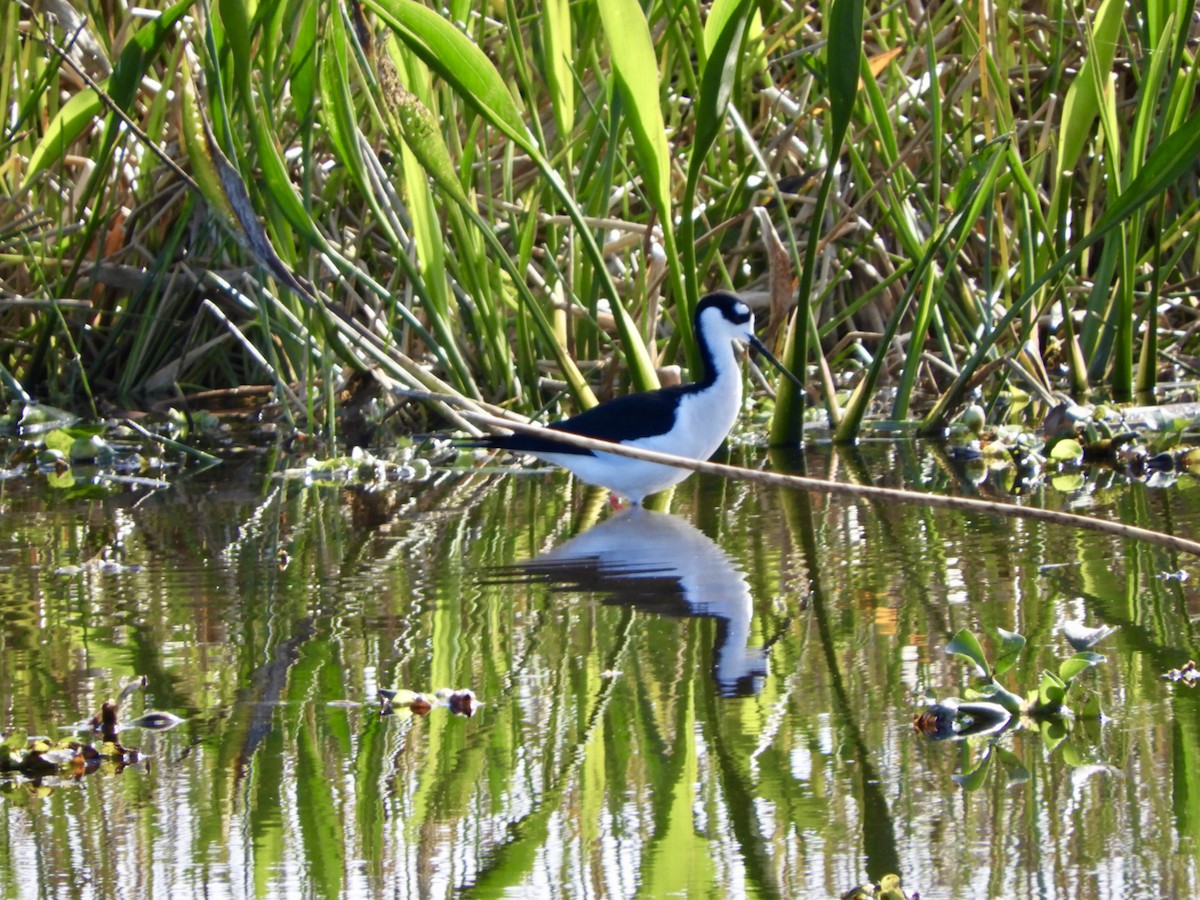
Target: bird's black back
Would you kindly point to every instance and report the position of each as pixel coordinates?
(626, 418)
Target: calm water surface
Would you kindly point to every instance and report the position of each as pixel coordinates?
(711, 701)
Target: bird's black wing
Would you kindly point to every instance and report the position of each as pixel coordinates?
(625, 418)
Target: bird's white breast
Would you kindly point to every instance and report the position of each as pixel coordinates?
(702, 421)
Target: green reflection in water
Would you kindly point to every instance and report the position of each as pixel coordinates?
(711, 703)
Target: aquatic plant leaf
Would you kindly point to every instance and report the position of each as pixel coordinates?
(38, 417)
(724, 31)
(1066, 449)
(1014, 770)
(889, 888)
(1080, 662)
(87, 449)
(1051, 692)
(204, 171)
(61, 480)
(1081, 105)
(238, 35)
(843, 60)
(74, 116)
(12, 749)
(1169, 160)
(994, 693)
(1072, 756)
(1007, 699)
(1067, 484)
(303, 54)
(967, 646)
(278, 186)
(557, 57)
(455, 58)
(973, 780)
(59, 440)
(1081, 638)
(724, 37)
(1008, 652)
(1090, 708)
(1053, 732)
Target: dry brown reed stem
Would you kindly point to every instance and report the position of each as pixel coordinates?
(866, 492)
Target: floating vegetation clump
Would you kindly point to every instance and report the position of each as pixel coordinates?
(460, 702)
(43, 763)
(990, 708)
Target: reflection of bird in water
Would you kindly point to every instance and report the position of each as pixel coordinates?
(664, 565)
(687, 420)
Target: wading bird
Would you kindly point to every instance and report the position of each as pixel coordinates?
(685, 420)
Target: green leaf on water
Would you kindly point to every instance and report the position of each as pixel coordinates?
(1008, 651)
(1072, 756)
(1080, 662)
(1014, 770)
(14, 741)
(967, 646)
(1067, 484)
(59, 439)
(1051, 692)
(973, 780)
(1090, 709)
(1054, 732)
(1066, 449)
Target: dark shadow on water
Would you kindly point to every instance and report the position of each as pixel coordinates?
(663, 565)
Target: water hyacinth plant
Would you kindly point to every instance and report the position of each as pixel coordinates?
(990, 708)
(522, 204)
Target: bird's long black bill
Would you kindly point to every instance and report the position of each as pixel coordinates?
(763, 351)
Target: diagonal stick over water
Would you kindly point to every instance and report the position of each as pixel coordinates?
(819, 485)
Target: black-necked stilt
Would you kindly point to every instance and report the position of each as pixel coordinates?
(687, 420)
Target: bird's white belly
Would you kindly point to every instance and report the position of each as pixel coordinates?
(701, 423)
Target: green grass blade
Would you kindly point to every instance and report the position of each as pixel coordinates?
(238, 37)
(1082, 103)
(455, 58)
(121, 87)
(949, 234)
(1165, 164)
(843, 56)
(724, 38)
(636, 72)
(558, 55)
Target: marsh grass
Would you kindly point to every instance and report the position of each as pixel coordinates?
(521, 206)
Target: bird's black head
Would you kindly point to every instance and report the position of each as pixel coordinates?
(722, 315)
(731, 308)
